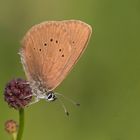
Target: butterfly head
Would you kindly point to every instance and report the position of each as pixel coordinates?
(50, 96)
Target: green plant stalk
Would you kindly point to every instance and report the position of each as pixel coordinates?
(21, 124)
(14, 136)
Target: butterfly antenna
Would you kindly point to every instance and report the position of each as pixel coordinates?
(63, 106)
(70, 100)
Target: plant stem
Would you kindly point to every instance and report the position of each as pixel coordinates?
(14, 135)
(21, 124)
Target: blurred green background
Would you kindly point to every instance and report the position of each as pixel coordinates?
(106, 80)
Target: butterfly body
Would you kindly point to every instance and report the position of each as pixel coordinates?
(40, 92)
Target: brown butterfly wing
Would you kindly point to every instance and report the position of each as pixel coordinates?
(80, 33)
(42, 49)
(48, 51)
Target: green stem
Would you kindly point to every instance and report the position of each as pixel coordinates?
(14, 135)
(21, 124)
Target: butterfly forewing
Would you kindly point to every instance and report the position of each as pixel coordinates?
(79, 36)
(50, 49)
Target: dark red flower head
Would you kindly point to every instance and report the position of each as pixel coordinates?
(18, 93)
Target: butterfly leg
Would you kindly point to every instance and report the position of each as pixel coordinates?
(36, 99)
(28, 96)
(31, 95)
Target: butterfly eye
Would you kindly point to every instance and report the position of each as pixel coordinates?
(50, 96)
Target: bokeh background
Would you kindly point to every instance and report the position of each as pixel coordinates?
(106, 80)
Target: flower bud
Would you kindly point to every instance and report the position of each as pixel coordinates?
(11, 126)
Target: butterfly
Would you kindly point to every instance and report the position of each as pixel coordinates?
(49, 51)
